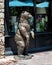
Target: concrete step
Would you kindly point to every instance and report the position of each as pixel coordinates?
(8, 50)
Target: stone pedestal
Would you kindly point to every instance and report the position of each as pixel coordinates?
(2, 41)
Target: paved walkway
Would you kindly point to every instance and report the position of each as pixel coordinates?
(40, 58)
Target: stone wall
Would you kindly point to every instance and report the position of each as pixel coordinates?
(2, 41)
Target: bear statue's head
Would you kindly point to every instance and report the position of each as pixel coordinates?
(26, 15)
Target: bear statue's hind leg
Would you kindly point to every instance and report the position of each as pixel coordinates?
(26, 45)
(21, 46)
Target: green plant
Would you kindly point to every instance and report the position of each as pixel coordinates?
(13, 11)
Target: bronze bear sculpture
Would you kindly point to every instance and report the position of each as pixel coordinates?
(22, 35)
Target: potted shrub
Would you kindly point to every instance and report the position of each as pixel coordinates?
(13, 14)
(13, 18)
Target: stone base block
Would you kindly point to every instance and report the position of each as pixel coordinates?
(1, 20)
(1, 0)
(2, 5)
(2, 40)
(2, 49)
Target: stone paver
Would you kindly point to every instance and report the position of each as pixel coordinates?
(40, 58)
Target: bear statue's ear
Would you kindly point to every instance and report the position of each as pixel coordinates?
(26, 13)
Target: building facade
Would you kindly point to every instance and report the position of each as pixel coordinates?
(40, 36)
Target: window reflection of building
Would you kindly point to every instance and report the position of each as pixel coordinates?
(42, 19)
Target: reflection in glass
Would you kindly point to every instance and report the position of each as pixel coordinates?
(42, 17)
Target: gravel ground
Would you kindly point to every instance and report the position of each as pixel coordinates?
(40, 58)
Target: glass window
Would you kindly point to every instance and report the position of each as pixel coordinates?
(42, 11)
(16, 7)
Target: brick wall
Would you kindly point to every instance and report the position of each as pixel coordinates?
(2, 41)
